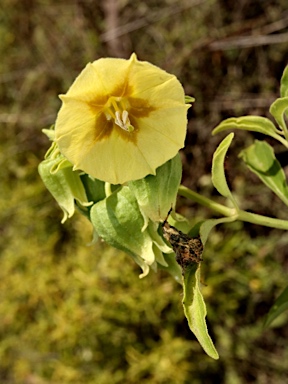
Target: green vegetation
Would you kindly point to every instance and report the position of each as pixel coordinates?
(77, 313)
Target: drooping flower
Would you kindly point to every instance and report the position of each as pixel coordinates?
(121, 119)
(63, 183)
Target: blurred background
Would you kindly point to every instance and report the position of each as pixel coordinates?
(71, 312)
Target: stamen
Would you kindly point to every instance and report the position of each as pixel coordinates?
(123, 122)
(115, 105)
(115, 110)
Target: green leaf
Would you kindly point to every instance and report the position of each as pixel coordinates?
(248, 123)
(278, 110)
(284, 83)
(280, 305)
(218, 172)
(189, 99)
(207, 225)
(195, 309)
(261, 160)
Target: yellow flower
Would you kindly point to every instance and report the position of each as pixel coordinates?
(121, 119)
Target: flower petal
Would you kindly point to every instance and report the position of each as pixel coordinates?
(99, 79)
(119, 161)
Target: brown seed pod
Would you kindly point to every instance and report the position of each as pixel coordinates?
(188, 249)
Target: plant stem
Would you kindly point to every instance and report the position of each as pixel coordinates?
(186, 192)
(254, 218)
(107, 188)
(229, 212)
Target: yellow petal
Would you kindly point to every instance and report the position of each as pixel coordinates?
(100, 78)
(115, 160)
(75, 122)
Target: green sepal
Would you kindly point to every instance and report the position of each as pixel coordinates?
(195, 309)
(156, 195)
(62, 182)
(261, 160)
(50, 133)
(160, 246)
(189, 99)
(95, 189)
(118, 220)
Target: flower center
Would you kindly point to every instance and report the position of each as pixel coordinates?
(116, 109)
